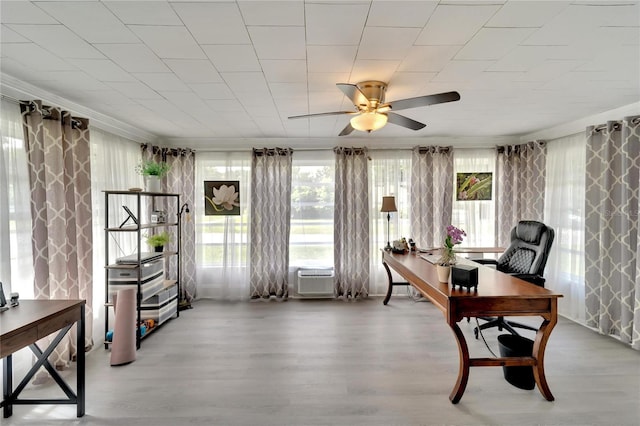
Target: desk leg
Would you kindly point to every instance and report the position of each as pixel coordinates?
(7, 386)
(539, 345)
(80, 364)
(390, 288)
(463, 372)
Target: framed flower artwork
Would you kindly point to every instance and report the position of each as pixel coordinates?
(221, 198)
(473, 186)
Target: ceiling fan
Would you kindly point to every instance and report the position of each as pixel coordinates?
(372, 113)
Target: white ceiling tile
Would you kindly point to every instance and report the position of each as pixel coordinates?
(58, 40)
(373, 70)
(455, 24)
(428, 58)
(194, 70)
(213, 23)
(288, 90)
(386, 43)
(526, 13)
(77, 80)
(169, 42)
(108, 97)
(272, 12)
(7, 35)
(284, 71)
(27, 73)
(162, 81)
(225, 105)
(135, 90)
(408, 84)
(252, 82)
(232, 57)
(331, 58)
(278, 42)
(133, 57)
(102, 69)
(212, 90)
(35, 57)
(144, 12)
(493, 43)
(550, 70)
(326, 81)
(385, 13)
(523, 58)
(335, 24)
(24, 12)
(461, 70)
(90, 20)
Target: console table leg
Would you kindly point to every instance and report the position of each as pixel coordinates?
(390, 288)
(539, 346)
(463, 372)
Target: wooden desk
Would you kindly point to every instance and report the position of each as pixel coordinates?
(498, 294)
(23, 326)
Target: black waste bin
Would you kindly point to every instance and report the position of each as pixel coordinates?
(516, 346)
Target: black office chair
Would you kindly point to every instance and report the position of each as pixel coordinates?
(525, 258)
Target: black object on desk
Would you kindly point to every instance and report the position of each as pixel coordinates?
(464, 276)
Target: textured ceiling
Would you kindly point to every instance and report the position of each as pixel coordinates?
(220, 70)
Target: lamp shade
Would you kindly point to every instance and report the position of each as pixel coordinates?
(369, 121)
(389, 204)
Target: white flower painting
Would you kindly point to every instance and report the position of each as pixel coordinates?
(221, 198)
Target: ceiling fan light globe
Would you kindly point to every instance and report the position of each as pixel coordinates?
(369, 121)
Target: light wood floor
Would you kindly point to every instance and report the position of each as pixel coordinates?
(341, 363)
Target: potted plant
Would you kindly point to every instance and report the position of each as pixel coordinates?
(153, 171)
(158, 241)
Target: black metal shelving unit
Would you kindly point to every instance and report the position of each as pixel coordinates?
(137, 224)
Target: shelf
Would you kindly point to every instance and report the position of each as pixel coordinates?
(127, 192)
(161, 255)
(135, 228)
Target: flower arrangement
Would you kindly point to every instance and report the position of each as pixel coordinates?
(153, 168)
(454, 236)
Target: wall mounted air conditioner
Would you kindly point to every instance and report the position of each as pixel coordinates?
(315, 282)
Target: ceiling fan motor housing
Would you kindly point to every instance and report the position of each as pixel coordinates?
(374, 91)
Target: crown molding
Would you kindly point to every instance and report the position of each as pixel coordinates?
(580, 125)
(20, 90)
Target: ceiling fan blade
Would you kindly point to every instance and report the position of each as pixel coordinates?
(347, 130)
(438, 98)
(352, 92)
(323, 113)
(403, 121)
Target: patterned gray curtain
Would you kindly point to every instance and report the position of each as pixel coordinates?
(351, 223)
(431, 194)
(179, 180)
(270, 222)
(612, 243)
(60, 180)
(520, 186)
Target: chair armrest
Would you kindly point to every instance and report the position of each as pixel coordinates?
(485, 261)
(532, 278)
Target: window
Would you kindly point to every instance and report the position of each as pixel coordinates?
(312, 200)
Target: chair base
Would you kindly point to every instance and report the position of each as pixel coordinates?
(501, 323)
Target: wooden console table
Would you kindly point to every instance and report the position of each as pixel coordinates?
(498, 294)
(23, 326)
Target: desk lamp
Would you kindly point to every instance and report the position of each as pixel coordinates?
(388, 206)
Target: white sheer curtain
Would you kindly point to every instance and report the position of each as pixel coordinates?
(222, 261)
(564, 212)
(16, 260)
(113, 163)
(477, 217)
(389, 174)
